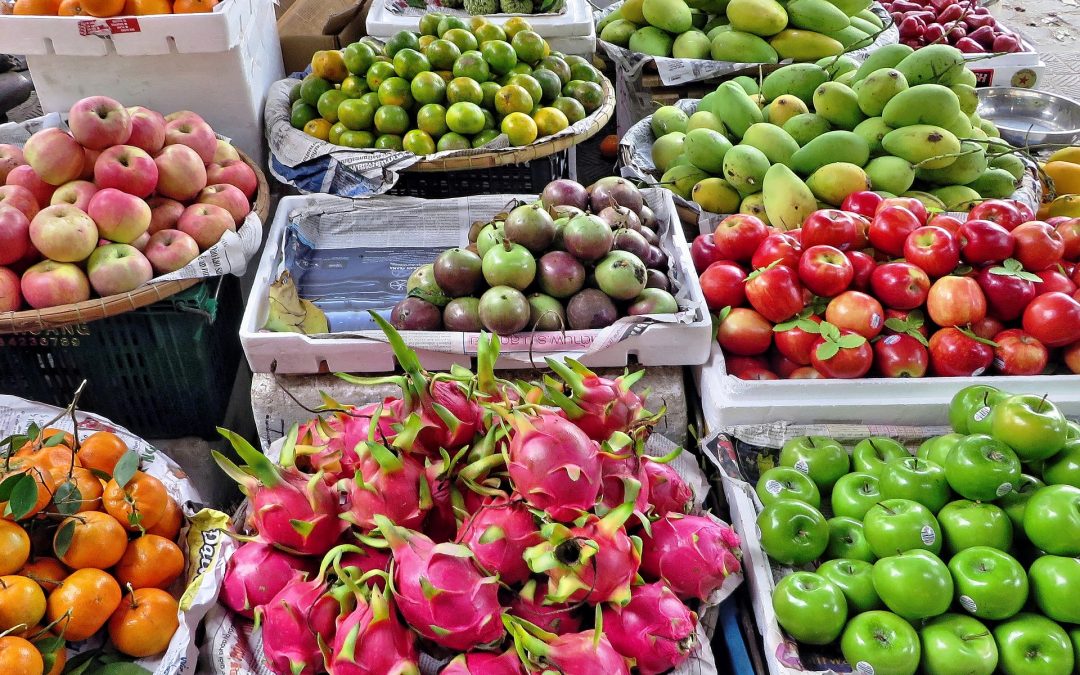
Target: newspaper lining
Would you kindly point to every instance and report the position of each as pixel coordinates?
(403, 8)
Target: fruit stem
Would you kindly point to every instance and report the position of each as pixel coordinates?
(131, 596)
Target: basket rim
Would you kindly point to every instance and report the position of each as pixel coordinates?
(34, 320)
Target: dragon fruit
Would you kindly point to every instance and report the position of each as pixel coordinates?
(257, 572)
(329, 444)
(366, 559)
(290, 509)
(595, 561)
(620, 462)
(597, 405)
(668, 492)
(485, 663)
(498, 535)
(693, 555)
(586, 652)
(655, 629)
(554, 466)
(441, 592)
(371, 640)
(530, 604)
(290, 646)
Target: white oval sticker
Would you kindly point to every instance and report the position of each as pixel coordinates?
(802, 467)
(1004, 489)
(928, 535)
(891, 340)
(978, 371)
(773, 487)
(875, 321)
(968, 604)
(864, 668)
(981, 414)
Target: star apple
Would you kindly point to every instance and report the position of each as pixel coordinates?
(1052, 519)
(117, 268)
(54, 156)
(965, 524)
(956, 643)
(792, 532)
(775, 292)
(795, 339)
(736, 237)
(1015, 503)
(1038, 245)
(864, 203)
(857, 312)
(933, 249)
(1053, 319)
(937, 448)
(968, 401)
(50, 283)
(810, 608)
(901, 356)
(15, 235)
(955, 301)
(854, 579)
(890, 229)
(1018, 353)
(864, 267)
(982, 468)
(1064, 467)
(785, 482)
(847, 540)
(11, 156)
(703, 252)
(1029, 424)
(825, 271)
(829, 227)
(983, 242)
(777, 246)
(722, 284)
(880, 642)
(854, 494)
(98, 122)
(1054, 281)
(1008, 291)
(953, 353)
(897, 525)
(20, 198)
(915, 479)
(1030, 644)
(870, 454)
(63, 233)
(1054, 580)
(914, 584)
(1000, 211)
(821, 458)
(900, 285)
(744, 332)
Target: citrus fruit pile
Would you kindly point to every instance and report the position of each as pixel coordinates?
(453, 86)
(87, 543)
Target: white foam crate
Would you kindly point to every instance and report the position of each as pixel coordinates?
(650, 343)
(219, 64)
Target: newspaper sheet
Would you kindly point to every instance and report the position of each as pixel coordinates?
(404, 8)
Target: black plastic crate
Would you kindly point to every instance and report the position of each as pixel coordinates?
(528, 178)
(163, 371)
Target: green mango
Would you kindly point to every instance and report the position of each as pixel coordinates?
(872, 130)
(614, 16)
(869, 17)
(666, 149)
(693, 44)
(652, 41)
(754, 205)
(817, 15)
(832, 183)
(839, 104)
(739, 47)
(806, 127)
(716, 195)
(967, 167)
(891, 174)
(666, 119)
(883, 57)
(958, 76)
(989, 129)
(715, 22)
(744, 168)
(960, 126)
(957, 197)
(977, 134)
(928, 200)
(736, 109)
(851, 38)
(928, 64)
(708, 103)
(836, 66)
(783, 108)
(787, 199)
(631, 11)
(718, 7)
(804, 45)
(704, 119)
(748, 84)
(673, 16)
(682, 178)
(851, 7)
(698, 18)
(995, 184)
(797, 79)
(878, 89)
(865, 26)
(832, 146)
(705, 149)
(773, 141)
(921, 104)
(1011, 163)
(928, 146)
(618, 32)
(712, 32)
(847, 79)
(760, 17)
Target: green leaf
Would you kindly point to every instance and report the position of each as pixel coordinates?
(787, 325)
(24, 497)
(971, 334)
(808, 326)
(829, 331)
(1013, 265)
(33, 431)
(103, 475)
(827, 350)
(918, 336)
(1028, 276)
(63, 538)
(1001, 271)
(851, 341)
(724, 313)
(49, 644)
(125, 468)
(896, 325)
(8, 484)
(67, 498)
(962, 271)
(121, 668)
(52, 441)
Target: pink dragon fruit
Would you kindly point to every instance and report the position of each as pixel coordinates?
(655, 629)
(620, 462)
(290, 646)
(530, 604)
(691, 554)
(574, 653)
(498, 535)
(597, 405)
(485, 663)
(594, 561)
(290, 509)
(441, 592)
(668, 492)
(371, 640)
(366, 559)
(329, 444)
(554, 466)
(257, 572)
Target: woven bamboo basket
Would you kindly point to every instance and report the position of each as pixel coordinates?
(99, 308)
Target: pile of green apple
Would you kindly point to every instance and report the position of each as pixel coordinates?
(961, 559)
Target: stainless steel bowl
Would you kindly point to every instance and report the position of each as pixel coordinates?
(1030, 117)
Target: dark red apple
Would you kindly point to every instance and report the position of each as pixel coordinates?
(934, 249)
(830, 227)
(1070, 356)
(864, 203)
(755, 374)
(1070, 236)
(775, 292)
(1053, 319)
(1007, 293)
(900, 285)
(806, 373)
(1054, 281)
(1004, 212)
(795, 343)
(1018, 353)
(905, 322)
(723, 284)
(842, 362)
(782, 365)
(703, 252)
(909, 203)
(1038, 245)
(777, 246)
(983, 242)
(733, 363)
(891, 227)
(825, 271)
(738, 236)
(864, 267)
(987, 327)
(953, 353)
(901, 356)
(945, 221)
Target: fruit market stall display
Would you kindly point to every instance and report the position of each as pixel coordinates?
(1062, 173)
(428, 103)
(894, 549)
(100, 546)
(347, 260)
(220, 62)
(149, 203)
(747, 36)
(519, 561)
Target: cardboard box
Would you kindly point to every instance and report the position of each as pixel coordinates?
(308, 26)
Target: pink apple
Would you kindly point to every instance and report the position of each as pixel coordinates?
(225, 151)
(63, 233)
(98, 122)
(14, 235)
(147, 129)
(164, 213)
(206, 223)
(55, 156)
(184, 115)
(227, 197)
(169, 250)
(181, 173)
(88, 164)
(77, 193)
(20, 198)
(11, 156)
(128, 169)
(237, 172)
(50, 283)
(120, 217)
(118, 268)
(28, 178)
(196, 135)
(10, 295)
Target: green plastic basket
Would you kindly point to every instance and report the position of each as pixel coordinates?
(163, 371)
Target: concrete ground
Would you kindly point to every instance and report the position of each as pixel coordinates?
(1053, 26)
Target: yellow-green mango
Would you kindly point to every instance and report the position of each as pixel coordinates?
(735, 108)
(928, 200)
(851, 7)
(666, 119)
(836, 66)
(760, 17)
(817, 15)
(693, 44)
(865, 26)
(928, 146)
(968, 97)
(977, 134)
(682, 178)
(806, 127)
(748, 84)
(754, 205)
(891, 174)
(705, 149)
(883, 57)
(878, 89)
(773, 141)
(839, 104)
(958, 76)
(787, 199)
(989, 129)
(739, 47)
(872, 130)
(995, 184)
(796, 79)
(960, 126)
(631, 11)
(618, 32)
(804, 45)
(708, 102)
(710, 6)
(610, 18)
(744, 168)
(672, 16)
(783, 108)
(716, 195)
(851, 37)
(928, 64)
(968, 166)
(713, 31)
(703, 119)
(666, 149)
(869, 17)
(847, 79)
(1011, 163)
(957, 197)
(832, 183)
(832, 146)
(651, 40)
(921, 104)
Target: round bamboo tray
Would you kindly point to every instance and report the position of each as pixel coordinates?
(35, 320)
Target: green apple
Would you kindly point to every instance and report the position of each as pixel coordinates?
(990, 584)
(793, 532)
(914, 584)
(1030, 644)
(982, 468)
(955, 643)
(1030, 425)
(1064, 467)
(937, 449)
(1016, 501)
(1072, 430)
(847, 540)
(870, 454)
(1052, 520)
(785, 482)
(898, 525)
(819, 457)
(1055, 581)
(1074, 635)
(855, 579)
(916, 479)
(881, 643)
(854, 494)
(965, 524)
(966, 402)
(810, 608)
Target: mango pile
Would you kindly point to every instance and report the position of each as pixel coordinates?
(904, 123)
(742, 31)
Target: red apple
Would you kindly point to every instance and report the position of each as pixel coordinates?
(905, 322)
(806, 373)
(983, 242)
(910, 203)
(934, 249)
(169, 250)
(54, 156)
(18, 197)
(89, 159)
(795, 343)
(117, 268)
(946, 222)
(775, 292)
(777, 246)
(954, 353)
(1038, 245)
(225, 151)
(830, 227)
(1071, 357)
(856, 312)
(1054, 281)
(781, 365)
(1069, 230)
(98, 122)
(25, 176)
(900, 285)
(147, 129)
(723, 285)
(63, 233)
(736, 237)
(11, 156)
(1007, 291)
(126, 168)
(14, 235)
(755, 374)
(205, 223)
(1018, 353)
(196, 135)
(955, 301)
(181, 173)
(228, 197)
(864, 203)
(184, 115)
(890, 229)
(864, 267)
(10, 295)
(1053, 319)
(77, 193)
(733, 363)
(120, 217)
(237, 172)
(843, 362)
(1004, 212)
(901, 356)
(50, 283)
(141, 241)
(987, 327)
(703, 252)
(164, 213)
(825, 270)
(744, 332)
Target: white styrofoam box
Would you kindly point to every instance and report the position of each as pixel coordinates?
(219, 64)
(651, 342)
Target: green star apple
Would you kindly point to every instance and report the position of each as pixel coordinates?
(810, 608)
(956, 643)
(1016, 501)
(855, 579)
(785, 482)
(870, 454)
(1030, 425)
(982, 468)
(916, 479)
(793, 532)
(1064, 467)
(847, 540)
(1030, 644)
(914, 584)
(854, 494)
(937, 449)
(965, 524)
(1052, 520)
(880, 641)
(898, 525)
(966, 402)
(1055, 582)
(819, 457)
(990, 584)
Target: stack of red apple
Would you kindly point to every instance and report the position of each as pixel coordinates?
(884, 287)
(964, 24)
(126, 194)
